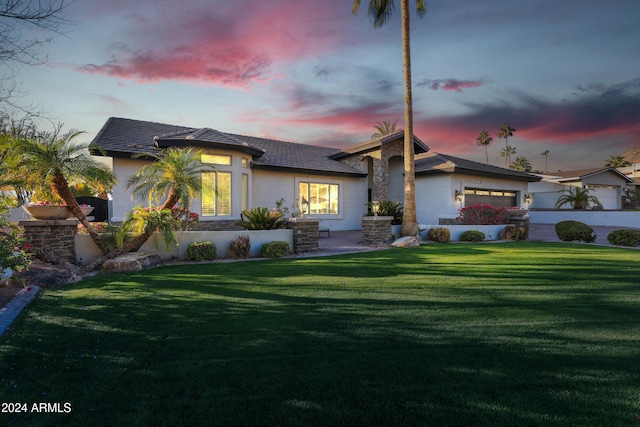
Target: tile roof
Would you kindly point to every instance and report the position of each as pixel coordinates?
(578, 175)
(420, 147)
(442, 163)
(121, 137)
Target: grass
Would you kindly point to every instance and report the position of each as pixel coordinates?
(469, 334)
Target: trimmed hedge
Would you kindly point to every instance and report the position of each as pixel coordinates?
(472, 236)
(200, 251)
(439, 234)
(570, 231)
(275, 249)
(624, 238)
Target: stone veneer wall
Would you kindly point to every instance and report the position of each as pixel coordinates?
(376, 230)
(52, 238)
(381, 157)
(305, 234)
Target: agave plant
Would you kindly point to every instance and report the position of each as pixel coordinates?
(578, 197)
(262, 219)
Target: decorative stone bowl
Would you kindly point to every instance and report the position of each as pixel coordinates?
(517, 212)
(53, 212)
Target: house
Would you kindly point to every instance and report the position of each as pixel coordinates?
(337, 184)
(607, 184)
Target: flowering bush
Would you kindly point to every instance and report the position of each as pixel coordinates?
(13, 249)
(482, 214)
(156, 220)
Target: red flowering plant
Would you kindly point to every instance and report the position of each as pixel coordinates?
(14, 255)
(482, 214)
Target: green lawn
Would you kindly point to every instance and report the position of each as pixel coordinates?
(510, 334)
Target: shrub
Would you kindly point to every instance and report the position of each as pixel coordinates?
(624, 237)
(275, 249)
(569, 231)
(199, 251)
(240, 247)
(472, 236)
(513, 232)
(262, 219)
(482, 215)
(440, 234)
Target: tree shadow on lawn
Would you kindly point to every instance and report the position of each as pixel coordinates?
(174, 350)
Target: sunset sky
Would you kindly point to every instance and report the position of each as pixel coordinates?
(565, 74)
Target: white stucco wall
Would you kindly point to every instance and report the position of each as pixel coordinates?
(270, 186)
(124, 168)
(435, 194)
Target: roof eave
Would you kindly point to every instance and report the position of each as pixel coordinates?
(308, 171)
(181, 142)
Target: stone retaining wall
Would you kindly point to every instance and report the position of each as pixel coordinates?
(53, 239)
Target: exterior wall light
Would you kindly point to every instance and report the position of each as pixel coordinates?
(305, 205)
(528, 199)
(375, 207)
(459, 195)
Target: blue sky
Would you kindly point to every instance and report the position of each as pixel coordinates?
(565, 74)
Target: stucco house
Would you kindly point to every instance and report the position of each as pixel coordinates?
(607, 185)
(337, 183)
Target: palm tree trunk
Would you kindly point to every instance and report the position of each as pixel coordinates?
(486, 153)
(136, 243)
(409, 216)
(61, 188)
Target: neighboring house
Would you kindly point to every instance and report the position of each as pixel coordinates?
(607, 184)
(337, 184)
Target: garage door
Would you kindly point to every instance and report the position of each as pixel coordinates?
(497, 198)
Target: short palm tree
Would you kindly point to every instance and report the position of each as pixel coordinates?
(384, 128)
(175, 174)
(617, 162)
(484, 139)
(54, 160)
(578, 197)
(521, 164)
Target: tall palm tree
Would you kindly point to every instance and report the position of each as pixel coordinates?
(484, 139)
(617, 162)
(384, 128)
(507, 152)
(55, 160)
(545, 153)
(521, 164)
(505, 132)
(380, 12)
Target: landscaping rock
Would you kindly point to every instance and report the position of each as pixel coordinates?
(135, 261)
(49, 274)
(406, 242)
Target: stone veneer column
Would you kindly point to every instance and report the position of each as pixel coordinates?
(306, 233)
(52, 238)
(376, 230)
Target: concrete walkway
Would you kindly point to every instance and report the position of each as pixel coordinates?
(9, 312)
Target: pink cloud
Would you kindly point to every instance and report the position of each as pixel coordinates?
(235, 45)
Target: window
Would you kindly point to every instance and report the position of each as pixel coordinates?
(216, 193)
(245, 191)
(322, 198)
(245, 162)
(216, 159)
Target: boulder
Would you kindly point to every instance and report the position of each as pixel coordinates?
(406, 242)
(50, 274)
(134, 261)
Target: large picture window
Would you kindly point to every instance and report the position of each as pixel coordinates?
(216, 193)
(322, 198)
